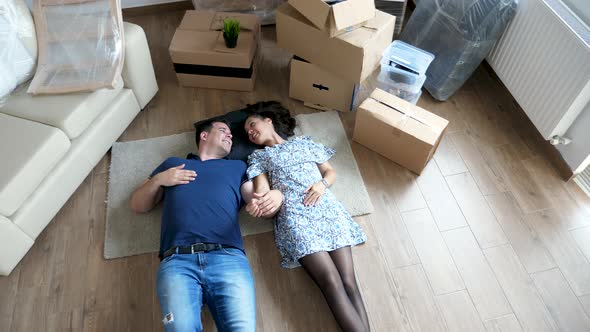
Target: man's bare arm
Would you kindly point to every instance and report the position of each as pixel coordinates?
(147, 196)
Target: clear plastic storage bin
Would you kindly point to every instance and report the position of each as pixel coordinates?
(460, 33)
(403, 69)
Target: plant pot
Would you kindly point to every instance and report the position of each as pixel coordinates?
(230, 42)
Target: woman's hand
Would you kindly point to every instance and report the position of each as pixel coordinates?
(265, 205)
(314, 193)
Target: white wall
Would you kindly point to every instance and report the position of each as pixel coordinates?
(578, 150)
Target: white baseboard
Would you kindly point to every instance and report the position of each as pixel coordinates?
(141, 3)
(129, 3)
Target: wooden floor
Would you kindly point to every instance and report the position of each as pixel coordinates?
(489, 238)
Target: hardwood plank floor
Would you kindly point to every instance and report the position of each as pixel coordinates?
(418, 299)
(440, 200)
(526, 243)
(585, 300)
(482, 226)
(507, 323)
(434, 255)
(479, 216)
(520, 182)
(549, 224)
(480, 281)
(561, 301)
(448, 159)
(383, 303)
(459, 312)
(486, 175)
(582, 237)
(520, 291)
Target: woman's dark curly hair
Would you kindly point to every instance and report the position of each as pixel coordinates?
(282, 120)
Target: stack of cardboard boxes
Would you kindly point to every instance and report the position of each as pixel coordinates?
(201, 58)
(336, 45)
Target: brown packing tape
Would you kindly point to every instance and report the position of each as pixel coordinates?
(405, 117)
(395, 120)
(432, 121)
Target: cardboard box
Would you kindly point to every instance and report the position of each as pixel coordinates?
(201, 58)
(398, 130)
(319, 88)
(352, 56)
(337, 18)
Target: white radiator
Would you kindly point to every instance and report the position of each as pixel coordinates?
(545, 64)
(583, 180)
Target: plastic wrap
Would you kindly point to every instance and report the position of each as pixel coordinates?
(396, 8)
(460, 33)
(264, 9)
(80, 45)
(18, 46)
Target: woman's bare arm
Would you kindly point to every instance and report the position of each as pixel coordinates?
(328, 172)
(314, 192)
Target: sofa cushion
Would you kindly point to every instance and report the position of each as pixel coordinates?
(14, 244)
(39, 208)
(71, 113)
(30, 150)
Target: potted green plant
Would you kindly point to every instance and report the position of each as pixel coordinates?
(231, 30)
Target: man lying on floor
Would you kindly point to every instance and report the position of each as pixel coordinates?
(203, 258)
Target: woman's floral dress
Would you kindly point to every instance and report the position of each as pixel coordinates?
(301, 230)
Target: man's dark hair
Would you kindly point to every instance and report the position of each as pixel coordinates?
(206, 126)
(282, 120)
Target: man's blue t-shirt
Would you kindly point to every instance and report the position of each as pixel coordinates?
(206, 209)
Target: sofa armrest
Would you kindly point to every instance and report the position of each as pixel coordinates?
(138, 70)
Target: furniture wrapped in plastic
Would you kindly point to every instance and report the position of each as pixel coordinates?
(264, 9)
(80, 45)
(18, 46)
(460, 33)
(396, 8)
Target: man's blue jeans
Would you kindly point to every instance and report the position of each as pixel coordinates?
(221, 279)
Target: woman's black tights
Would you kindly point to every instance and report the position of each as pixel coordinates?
(333, 272)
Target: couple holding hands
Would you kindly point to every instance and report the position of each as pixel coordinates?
(201, 250)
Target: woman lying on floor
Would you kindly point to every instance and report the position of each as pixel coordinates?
(312, 228)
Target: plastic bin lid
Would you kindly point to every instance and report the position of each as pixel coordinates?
(406, 55)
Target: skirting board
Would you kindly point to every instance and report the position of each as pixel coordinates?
(142, 3)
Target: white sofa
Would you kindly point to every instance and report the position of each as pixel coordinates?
(49, 144)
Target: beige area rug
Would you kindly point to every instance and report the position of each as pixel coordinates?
(130, 234)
